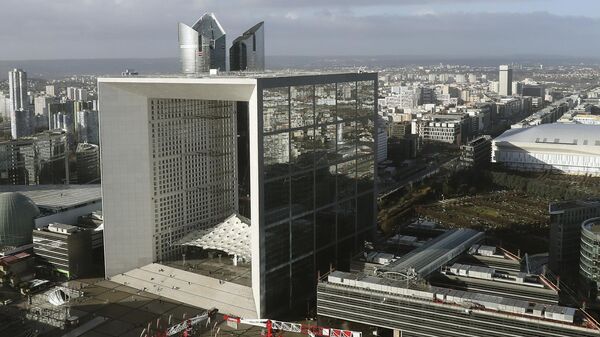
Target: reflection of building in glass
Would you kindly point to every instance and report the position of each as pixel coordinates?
(202, 46)
(310, 171)
(566, 148)
(34, 160)
(248, 50)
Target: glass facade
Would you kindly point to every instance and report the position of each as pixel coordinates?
(318, 183)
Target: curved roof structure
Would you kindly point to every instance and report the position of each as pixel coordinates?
(16, 219)
(558, 133)
(231, 236)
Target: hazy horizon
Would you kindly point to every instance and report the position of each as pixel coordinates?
(119, 29)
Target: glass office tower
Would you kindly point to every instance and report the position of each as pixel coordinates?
(318, 181)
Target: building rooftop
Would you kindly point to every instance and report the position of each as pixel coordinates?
(228, 75)
(565, 134)
(435, 253)
(57, 197)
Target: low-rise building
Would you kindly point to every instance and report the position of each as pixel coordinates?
(67, 249)
(477, 152)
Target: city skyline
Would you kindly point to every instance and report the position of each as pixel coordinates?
(120, 29)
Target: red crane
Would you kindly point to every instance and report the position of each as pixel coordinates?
(273, 326)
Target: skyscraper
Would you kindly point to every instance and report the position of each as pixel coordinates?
(505, 81)
(17, 81)
(22, 123)
(202, 46)
(248, 50)
(308, 162)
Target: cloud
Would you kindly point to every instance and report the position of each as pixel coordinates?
(148, 28)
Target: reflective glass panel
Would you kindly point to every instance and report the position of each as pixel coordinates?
(302, 106)
(325, 144)
(276, 155)
(302, 149)
(346, 179)
(346, 139)
(346, 100)
(365, 173)
(277, 200)
(366, 99)
(325, 104)
(302, 236)
(302, 193)
(365, 129)
(275, 109)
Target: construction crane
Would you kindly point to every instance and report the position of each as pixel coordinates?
(272, 327)
(184, 327)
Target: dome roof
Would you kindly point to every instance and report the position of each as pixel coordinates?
(16, 219)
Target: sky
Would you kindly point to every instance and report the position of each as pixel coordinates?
(72, 29)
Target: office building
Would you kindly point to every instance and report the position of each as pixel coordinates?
(81, 95)
(304, 158)
(202, 46)
(534, 90)
(87, 127)
(17, 82)
(33, 160)
(248, 51)
(72, 93)
(66, 248)
(431, 291)
(564, 148)
(477, 152)
(589, 262)
(41, 105)
(505, 81)
(22, 123)
(87, 163)
(590, 250)
(566, 218)
(51, 90)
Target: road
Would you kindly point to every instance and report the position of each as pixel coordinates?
(416, 177)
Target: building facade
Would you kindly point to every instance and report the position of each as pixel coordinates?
(67, 248)
(505, 81)
(566, 218)
(477, 152)
(248, 51)
(202, 46)
(17, 82)
(35, 160)
(566, 148)
(590, 250)
(311, 168)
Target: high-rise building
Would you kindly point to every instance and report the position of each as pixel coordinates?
(22, 123)
(72, 93)
(35, 160)
(88, 163)
(51, 90)
(202, 46)
(17, 82)
(81, 95)
(566, 218)
(590, 250)
(41, 105)
(505, 81)
(248, 50)
(87, 127)
(173, 165)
